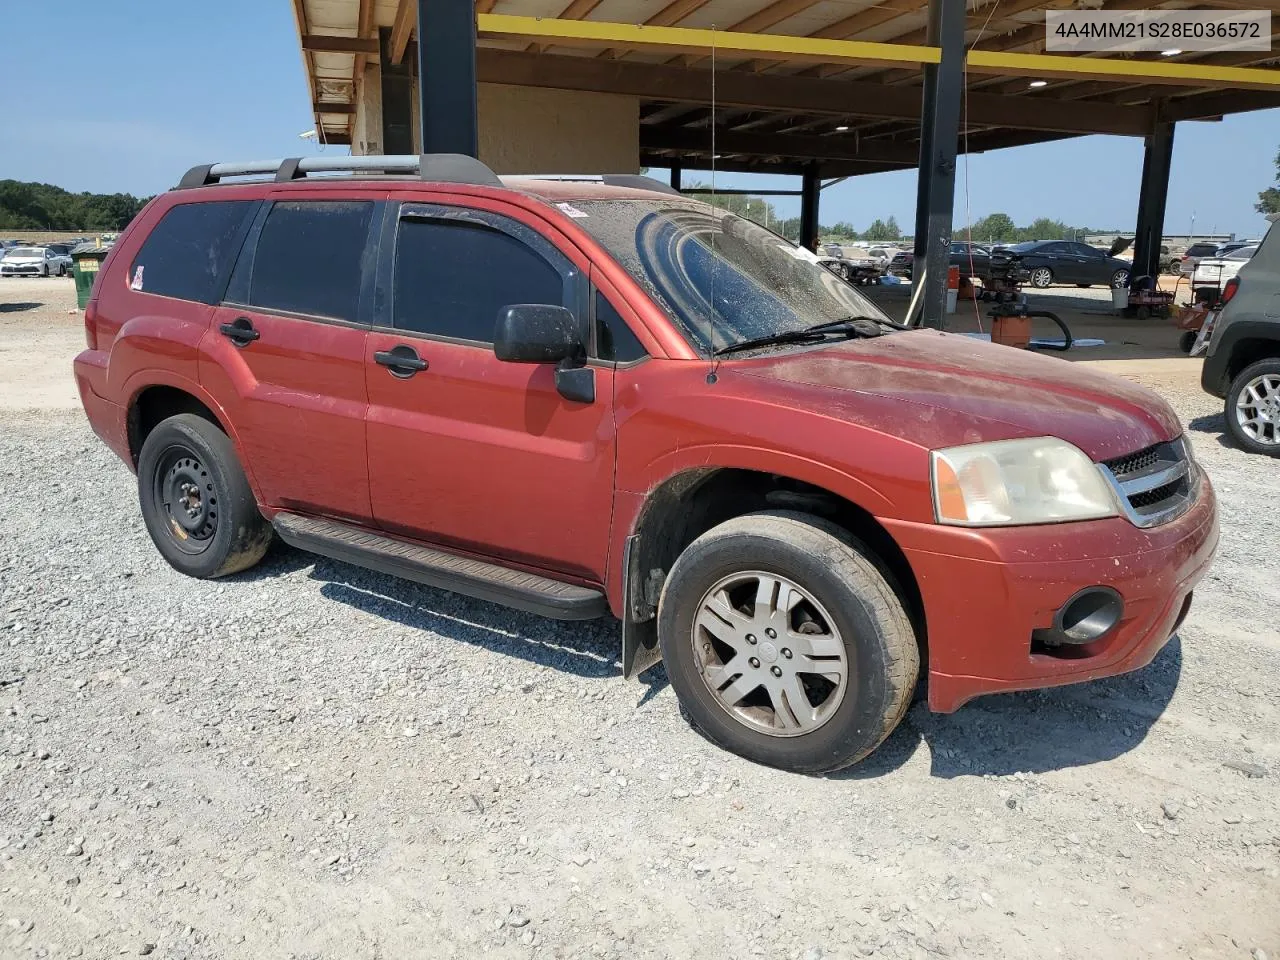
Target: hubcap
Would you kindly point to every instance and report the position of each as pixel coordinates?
(1120, 279)
(184, 491)
(770, 654)
(1258, 409)
(1041, 277)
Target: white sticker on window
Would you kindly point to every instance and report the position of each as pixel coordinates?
(136, 283)
(570, 210)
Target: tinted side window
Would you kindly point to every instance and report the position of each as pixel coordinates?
(614, 339)
(452, 277)
(309, 258)
(1084, 250)
(190, 250)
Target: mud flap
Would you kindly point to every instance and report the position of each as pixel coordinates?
(640, 649)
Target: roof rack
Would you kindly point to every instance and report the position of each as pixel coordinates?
(439, 167)
(636, 181)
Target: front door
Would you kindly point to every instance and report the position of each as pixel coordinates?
(285, 353)
(467, 450)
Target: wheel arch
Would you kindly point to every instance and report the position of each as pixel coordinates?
(685, 505)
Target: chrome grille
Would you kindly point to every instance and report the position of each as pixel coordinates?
(1154, 485)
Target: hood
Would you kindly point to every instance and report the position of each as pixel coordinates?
(1119, 246)
(938, 389)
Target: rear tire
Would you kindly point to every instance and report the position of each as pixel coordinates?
(1255, 425)
(1041, 277)
(196, 501)
(829, 600)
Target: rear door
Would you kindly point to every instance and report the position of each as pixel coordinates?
(285, 351)
(467, 450)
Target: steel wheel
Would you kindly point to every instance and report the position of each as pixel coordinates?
(1258, 409)
(1041, 277)
(185, 495)
(770, 654)
(1120, 279)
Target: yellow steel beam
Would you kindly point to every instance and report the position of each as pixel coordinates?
(599, 33)
(1043, 65)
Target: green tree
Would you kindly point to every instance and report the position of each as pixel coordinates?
(994, 227)
(744, 205)
(879, 231)
(895, 231)
(41, 206)
(1269, 199)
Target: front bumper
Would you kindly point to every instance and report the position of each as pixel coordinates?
(32, 271)
(986, 591)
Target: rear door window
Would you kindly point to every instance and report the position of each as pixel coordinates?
(190, 251)
(310, 258)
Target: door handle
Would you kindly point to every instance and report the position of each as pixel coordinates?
(240, 331)
(402, 360)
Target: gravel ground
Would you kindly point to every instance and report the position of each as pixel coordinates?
(310, 760)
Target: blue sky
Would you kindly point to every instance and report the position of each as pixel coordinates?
(161, 85)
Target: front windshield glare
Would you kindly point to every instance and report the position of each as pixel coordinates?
(721, 278)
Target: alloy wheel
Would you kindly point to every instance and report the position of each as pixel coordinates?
(1041, 277)
(1258, 409)
(770, 654)
(1120, 279)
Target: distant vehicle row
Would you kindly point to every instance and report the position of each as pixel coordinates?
(53, 260)
(1044, 262)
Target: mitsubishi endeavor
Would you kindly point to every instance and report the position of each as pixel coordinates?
(597, 396)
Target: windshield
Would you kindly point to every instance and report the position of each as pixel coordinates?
(722, 279)
(25, 252)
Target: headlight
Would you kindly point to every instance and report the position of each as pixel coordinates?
(1010, 482)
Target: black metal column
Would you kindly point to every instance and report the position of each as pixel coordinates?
(939, 137)
(447, 77)
(397, 101)
(810, 192)
(1156, 162)
(675, 175)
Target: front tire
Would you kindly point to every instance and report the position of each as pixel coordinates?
(1253, 408)
(1041, 277)
(786, 642)
(196, 500)
(1119, 279)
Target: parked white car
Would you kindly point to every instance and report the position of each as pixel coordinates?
(34, 262)
(1214, 272)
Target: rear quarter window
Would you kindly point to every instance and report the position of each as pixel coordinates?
(189, 253)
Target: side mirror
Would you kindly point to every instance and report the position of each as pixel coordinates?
(538, 333)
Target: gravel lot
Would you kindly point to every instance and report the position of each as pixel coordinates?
(310, 760)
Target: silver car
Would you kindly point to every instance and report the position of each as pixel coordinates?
(34, 262)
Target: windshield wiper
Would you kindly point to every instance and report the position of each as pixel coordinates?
(846, 326)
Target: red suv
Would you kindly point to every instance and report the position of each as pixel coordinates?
(598, 396)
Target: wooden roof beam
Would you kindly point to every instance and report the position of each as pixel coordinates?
(791, 94)
(402, 27)
(668, 16)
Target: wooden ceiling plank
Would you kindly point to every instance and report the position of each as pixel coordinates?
(576, 10)
(668, 16)
(402, 28)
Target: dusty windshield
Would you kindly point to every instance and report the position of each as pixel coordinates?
(721, 278)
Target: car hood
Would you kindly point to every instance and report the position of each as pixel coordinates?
(21, 261)
(939, 389)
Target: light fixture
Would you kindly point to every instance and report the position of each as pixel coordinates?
(307, 135)
(1170, 53)
(841, 129)
(1036, 84)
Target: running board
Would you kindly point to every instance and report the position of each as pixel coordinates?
(436, 568)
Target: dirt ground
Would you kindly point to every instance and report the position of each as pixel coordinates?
(310, 760)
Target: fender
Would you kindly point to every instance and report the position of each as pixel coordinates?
(159, 344)
(629, 505)
(1214, 377)
(140, 380)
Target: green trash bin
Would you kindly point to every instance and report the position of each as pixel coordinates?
(86, 260)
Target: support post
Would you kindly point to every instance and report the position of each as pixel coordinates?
(939, 137)
(447, 77)
(676, 171)
(397, 100)
(810, 192)
(1156, 162)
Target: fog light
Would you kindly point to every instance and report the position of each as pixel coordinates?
(1088, 616)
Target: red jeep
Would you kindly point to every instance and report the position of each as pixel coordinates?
(598, 396)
